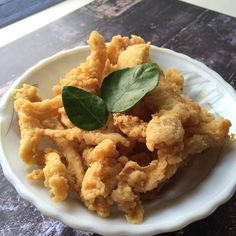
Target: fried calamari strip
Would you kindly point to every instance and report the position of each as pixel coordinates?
(136, 40)
(27, 92)
(166, 129)
(74, 161)
(43, 109)
(30, 135)
(100, 177)
(134, 55)
(31, 115)
(174, 80)
(56, 174)
(90, 137)
(89, 74)
(128, 202)
(132, 126)
(117, 45)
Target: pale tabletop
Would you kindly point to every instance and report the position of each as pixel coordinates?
(202, 34)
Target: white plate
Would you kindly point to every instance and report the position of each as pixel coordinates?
(195, 192)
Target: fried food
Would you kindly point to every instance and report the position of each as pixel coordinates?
(93, 137)
(88, 75)
(100, 178)
(134, 154)
(134, 55)
(132, 126)
(55, 174)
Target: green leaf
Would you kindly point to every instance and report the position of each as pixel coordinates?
(122, 89)
(85, 110)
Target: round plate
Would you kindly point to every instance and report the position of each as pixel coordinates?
(196, 190)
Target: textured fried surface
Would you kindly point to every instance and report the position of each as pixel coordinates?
(134, 55)
(134, 154)
(55, 174)
(100, 177)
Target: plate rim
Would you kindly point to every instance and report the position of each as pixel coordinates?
(112, 231)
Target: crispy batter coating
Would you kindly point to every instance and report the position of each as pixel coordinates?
(134, 154)
(27, 92)
(88, 75)
(100, 178)
(30, 134)
(117, 45)
(135, 39)
(128, 202)
(93, 137)
(36, 175)
(44, 109)
(131, 126)
(175, 80)
(164, 130)
(55, 174)
(134, 55)
(74, 161)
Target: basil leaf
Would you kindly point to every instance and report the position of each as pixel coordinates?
(85, 110)
(122, 89)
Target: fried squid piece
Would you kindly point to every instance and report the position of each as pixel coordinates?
(56, 174)
(163, 97)
(171, 156)
(117, 45)
(88, 75)
(171, 126)
(100, 177)
(27, 92)
(128, 202)
(89, 137)
(164, 130)
(31, 118)
(136, 40)
(132, 126)
(134, 55)
(146, 178)
(176, 115)
(73, 158)
(74, 163)
(44, 109)
(29, 127)
(174, 80)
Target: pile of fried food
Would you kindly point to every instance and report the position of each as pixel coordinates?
(134, 154)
